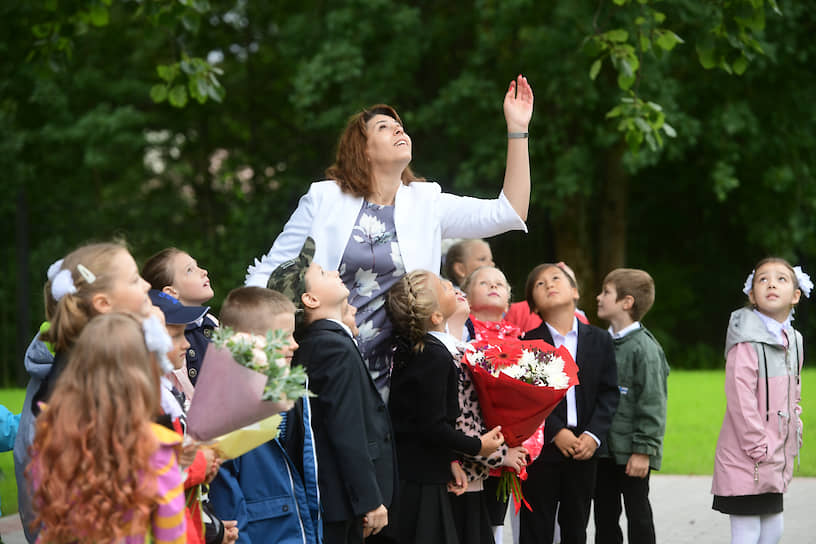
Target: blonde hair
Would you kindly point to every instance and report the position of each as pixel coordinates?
(466, 285)
(250, 309)
(72, 312)
(411, 302)
(91, 456)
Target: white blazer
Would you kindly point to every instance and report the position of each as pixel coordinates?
(423, 216)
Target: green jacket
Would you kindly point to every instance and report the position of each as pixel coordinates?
(640, 422)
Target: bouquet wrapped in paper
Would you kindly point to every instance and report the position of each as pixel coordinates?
(519, 383)
(244, 379)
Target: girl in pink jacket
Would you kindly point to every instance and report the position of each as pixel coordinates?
(761, 431)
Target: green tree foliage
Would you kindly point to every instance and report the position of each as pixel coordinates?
(94, 145)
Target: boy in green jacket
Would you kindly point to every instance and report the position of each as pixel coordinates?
(635, 441)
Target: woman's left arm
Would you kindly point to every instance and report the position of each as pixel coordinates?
(518, 110)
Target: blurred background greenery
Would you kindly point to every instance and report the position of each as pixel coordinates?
(199, 124)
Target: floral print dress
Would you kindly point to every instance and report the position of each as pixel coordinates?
(371, 264)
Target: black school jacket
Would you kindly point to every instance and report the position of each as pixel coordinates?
(352, 429)
(424, 405)
(596, 396)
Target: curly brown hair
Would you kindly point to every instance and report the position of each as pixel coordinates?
(92, 449)
(351, 169)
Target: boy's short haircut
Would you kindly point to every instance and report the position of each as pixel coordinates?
(635, 283)
(250, 309)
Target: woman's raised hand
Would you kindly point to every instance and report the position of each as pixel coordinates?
(518, 105)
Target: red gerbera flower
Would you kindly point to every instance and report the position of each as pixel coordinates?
(504, 354)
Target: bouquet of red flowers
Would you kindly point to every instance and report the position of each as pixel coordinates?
(519, 383)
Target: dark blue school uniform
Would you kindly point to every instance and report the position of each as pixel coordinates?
(199, 337)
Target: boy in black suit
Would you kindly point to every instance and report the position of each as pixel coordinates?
(355, 454)
(565, 470)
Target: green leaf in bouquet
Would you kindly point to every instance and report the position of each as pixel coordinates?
(265, 355)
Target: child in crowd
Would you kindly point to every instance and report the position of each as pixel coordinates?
(91, 280)
(199, 463)
(355, 446)
(476, 510)
(424, 407)
(565, 469)
(464, 257)
(488, 294)
(101, 470)
(761, 432)
(272, 490)
(524, 317)
(176, 273)
(635, 440)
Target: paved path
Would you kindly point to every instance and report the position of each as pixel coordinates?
(683, 514)
(682, 510)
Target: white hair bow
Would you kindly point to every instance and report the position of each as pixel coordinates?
(158, 341)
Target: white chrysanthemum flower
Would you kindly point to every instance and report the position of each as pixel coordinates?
(366, 282)
(558, 380)
(514, 371)
(556, 364)
(367, 331)
(528, 359)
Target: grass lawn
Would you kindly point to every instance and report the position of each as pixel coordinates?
(696, 407)
(13, 400)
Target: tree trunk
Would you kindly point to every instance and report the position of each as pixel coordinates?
(611, 236)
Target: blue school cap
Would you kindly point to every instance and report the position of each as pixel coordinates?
(176, 313)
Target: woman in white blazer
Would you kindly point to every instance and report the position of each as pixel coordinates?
(374, 220)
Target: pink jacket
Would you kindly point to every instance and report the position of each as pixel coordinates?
(761, 431)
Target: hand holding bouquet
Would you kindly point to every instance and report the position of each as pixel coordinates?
(519, 383)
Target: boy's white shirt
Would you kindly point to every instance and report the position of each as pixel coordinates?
(624, 331)
(570, 341)
(345, 328)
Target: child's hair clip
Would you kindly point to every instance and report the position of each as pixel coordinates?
(89, 276)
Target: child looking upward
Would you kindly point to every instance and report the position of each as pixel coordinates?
(565, 469)
(176, 273)
(464, 257)
(350, 421)
(761, 432)
(281, 473)
(424, 406)
(488, 294)
(635, 440)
